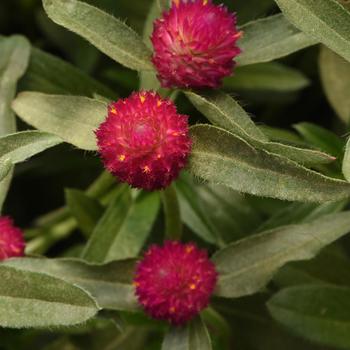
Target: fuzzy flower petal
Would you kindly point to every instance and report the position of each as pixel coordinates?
(11, 239)
(144, 141)
(174, 282)
(195, 44)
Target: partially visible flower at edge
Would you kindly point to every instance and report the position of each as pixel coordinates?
(174, 282)
(12, 242)
(195, 44)
(144, 141)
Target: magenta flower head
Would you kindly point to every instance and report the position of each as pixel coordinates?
(144, 141)
(11, 239)
(195, 44)
(174, 282)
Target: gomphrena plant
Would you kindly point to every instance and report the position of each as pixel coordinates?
(205, 229)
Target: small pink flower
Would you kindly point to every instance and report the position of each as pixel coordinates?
(195, 44)
(144, 141)
(175, 282)
(11, 239)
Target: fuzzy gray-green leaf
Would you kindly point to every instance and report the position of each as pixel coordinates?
(223, 158)
(326, 21)
(222, 110)
(193, 336)
(72, 118)
(267, 39)
(246, 266)
(315, 312)
(29, 299)
(25, 144)
(335, 74)
(110, 284)
(108, 34)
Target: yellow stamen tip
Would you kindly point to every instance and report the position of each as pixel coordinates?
(146, 169)
(142, 98)
(113, 110)
(159, 103)
(189, 249)
(121, 157)
(193, 286)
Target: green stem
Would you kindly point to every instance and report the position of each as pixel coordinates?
(173, 223)
(59, 224)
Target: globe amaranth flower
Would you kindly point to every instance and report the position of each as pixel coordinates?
(195, 44)
(144, 141)
(174, 282)
(11, 239)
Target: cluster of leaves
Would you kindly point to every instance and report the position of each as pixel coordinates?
(262, 199)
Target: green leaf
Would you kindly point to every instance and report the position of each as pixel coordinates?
(72, 118)
(6, 172)
(148, 79)
(246, 266)
(335, 74)
(223, 158)
(108, 34)
(25, 144)
(194, 336)
(327, 22)
(110, 284)
(49, 74)
(270, 38)
(14, 53)
(296, 213)
(173, 223)
(29, 299)
(193, 214)
(124, 228)
(86, 210)
(346, 162)
(270, 76)
(318, 313)
(222, 110)
(321, 138)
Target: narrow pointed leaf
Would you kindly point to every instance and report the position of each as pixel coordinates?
(14, 56)
(86, 210)
(14, 53)
(194, 336)
(6, 172)
(317, 313)
(247, 266)
(223, 158)
(72, 118)
(110, 284)
(110, 35)
(270, 38)
(25, 144)
(124, 228)
(52, 75)
(326, 21)
(222, 110)
(346, 161)
(29, 299)
(271, 76)
(335, 74)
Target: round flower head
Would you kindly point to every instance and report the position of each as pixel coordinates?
(195, 44)
(175, 282)
(144, 141)
(11, 239)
